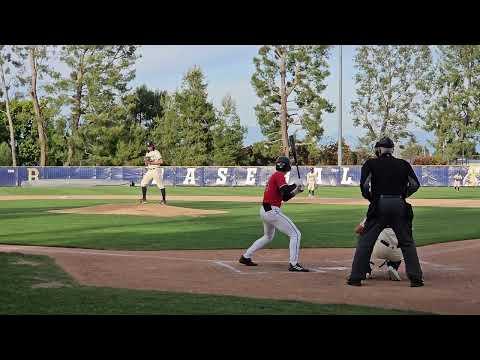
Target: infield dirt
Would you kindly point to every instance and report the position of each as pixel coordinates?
(465, 203)
(451, 272)
(140, 210)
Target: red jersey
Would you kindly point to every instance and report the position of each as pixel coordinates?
(272, 193)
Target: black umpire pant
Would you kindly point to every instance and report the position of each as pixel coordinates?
(387, 212)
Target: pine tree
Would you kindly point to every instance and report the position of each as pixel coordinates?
(454, 111)
(98, 77)
(391, 80)
(228, 135)
(289, 80)
(185, 131)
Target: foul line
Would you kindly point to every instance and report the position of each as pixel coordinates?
(228, 267)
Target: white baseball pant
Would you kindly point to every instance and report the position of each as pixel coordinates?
(275, 219)
(153, 174)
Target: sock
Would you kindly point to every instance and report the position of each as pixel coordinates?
(144, 192)
(163, 193)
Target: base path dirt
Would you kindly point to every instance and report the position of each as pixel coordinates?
(469, 203)
(451, 272)
(140, 210)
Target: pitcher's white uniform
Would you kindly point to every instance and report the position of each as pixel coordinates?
(154, 172)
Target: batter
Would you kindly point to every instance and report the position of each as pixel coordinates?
(153, 160)
(311, 182)
(276, 191)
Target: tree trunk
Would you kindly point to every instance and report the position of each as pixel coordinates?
(42, 138)
(76, 114)
(283, 104)
(9, 117)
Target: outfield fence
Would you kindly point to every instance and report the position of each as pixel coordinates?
(216, 175)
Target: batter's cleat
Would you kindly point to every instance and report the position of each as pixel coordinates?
(416, 283)
(393, 274)
(297, 268)
(163, 202)
(246, 261)
(143, 201)
(354, 282)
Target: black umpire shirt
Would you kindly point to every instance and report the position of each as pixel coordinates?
(387, 176)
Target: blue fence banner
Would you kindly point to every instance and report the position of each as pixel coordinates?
(348, 175)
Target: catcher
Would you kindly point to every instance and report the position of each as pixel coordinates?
(385, 252)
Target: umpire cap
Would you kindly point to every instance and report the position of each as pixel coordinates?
(283, 164)
(385, 142)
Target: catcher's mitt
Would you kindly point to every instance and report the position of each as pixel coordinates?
(359, 229)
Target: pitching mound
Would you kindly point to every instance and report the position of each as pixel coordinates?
(140, 210)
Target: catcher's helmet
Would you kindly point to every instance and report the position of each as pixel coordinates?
(385, 142)
(283, 164)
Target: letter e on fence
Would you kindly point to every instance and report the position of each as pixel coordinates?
(251, 174)
(33, 174)
(318, 172)
(190, 178)
(222, 176)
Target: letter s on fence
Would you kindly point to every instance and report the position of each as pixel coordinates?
(222, 176)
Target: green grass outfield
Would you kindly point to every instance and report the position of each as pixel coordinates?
(323, 191)
(22, 274)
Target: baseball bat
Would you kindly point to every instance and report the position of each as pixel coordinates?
(291, 139)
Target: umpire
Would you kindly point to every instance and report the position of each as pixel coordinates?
(386, 182)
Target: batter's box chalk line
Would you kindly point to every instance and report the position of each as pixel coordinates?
(321, 269)
(234, 269)
(442, 267)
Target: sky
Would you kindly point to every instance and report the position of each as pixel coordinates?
(228, 70)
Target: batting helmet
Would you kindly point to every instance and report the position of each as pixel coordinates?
(283, 164)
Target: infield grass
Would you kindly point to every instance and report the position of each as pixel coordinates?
(35, 285)
(28, 222)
